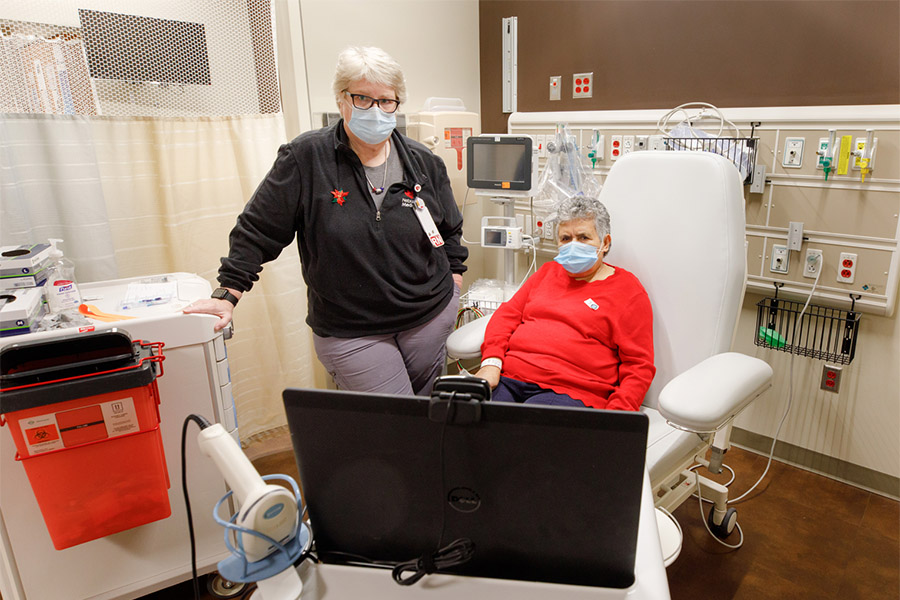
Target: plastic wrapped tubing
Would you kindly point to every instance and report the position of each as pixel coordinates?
(566, 173)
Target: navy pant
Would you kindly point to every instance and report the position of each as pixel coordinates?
(513, 390)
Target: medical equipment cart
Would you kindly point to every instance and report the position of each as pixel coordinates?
(150, 557)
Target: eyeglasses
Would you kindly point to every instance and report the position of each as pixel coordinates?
(362, 102)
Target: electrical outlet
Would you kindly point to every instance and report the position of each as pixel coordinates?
(615, 149)
(793, 152)
(627, 144)
(583, 85)
(813, 263)
(846, 268)
(780, 259)
(831, 378)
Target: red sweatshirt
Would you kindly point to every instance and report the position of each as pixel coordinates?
(592, 341)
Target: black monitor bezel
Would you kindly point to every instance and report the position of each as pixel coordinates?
(497, 140)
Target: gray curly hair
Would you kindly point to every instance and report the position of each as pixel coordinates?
(582, 207)
(369, 63)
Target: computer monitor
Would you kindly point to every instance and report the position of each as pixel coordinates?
(544, 494)
(500, 162)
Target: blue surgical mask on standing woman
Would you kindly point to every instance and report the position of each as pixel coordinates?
(373, 125)
(577, 257)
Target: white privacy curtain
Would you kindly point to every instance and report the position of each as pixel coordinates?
(135, 196)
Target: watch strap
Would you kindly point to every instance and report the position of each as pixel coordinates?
(223, 294)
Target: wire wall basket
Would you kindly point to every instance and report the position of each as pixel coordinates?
(472, 307)
(823, 333)
(740, 151)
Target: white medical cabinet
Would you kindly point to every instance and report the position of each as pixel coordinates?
(150, 557)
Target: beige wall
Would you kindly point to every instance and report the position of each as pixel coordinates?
(435, 41)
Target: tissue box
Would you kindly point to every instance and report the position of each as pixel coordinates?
(21, 310)
(24, 266)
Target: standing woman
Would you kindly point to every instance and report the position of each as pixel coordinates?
(378, 232)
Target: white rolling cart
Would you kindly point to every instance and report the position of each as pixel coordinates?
(144, 559)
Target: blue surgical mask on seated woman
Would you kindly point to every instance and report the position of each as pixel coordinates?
(577, 257)
(373, 125)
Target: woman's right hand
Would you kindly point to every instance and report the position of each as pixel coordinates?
(212, 306)
(490, 374)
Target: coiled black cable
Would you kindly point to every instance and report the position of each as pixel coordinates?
(453, 554)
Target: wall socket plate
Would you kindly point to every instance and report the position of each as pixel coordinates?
(846, 269)
(831, 378)
(583, 85)
(811, 266)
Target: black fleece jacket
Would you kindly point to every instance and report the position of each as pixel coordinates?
(367, 271)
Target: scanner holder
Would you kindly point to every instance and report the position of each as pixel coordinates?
(457, 399)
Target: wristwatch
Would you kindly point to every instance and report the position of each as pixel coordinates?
(223, 294)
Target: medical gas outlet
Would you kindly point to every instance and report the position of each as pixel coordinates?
(826, 153)
(793, 153)
(780, 259)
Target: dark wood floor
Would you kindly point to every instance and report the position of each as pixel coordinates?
(805, 537)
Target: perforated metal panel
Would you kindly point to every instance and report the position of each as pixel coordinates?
(151, 59)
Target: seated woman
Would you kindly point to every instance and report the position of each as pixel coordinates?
(580, 331)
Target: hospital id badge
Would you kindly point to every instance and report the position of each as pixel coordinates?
(428, 226)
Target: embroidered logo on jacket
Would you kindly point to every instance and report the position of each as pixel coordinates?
(339, 196)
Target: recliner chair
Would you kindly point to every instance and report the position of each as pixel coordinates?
(677, 223)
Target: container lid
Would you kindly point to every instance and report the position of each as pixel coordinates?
(71, 367)
(66, 356)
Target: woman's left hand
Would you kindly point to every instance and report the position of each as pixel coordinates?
(457, 279)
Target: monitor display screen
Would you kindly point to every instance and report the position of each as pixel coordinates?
(136, 48)
(499, 162)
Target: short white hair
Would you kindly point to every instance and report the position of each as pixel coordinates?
(369, 63)
(582, 207)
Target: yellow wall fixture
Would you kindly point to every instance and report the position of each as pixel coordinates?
(864, 153)
(844, 160)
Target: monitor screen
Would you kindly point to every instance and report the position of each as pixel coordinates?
(499, 162)
(136, 48)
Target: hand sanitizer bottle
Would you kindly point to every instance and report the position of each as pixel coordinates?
(62, 291)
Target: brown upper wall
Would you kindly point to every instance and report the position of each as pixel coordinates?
(662, 53)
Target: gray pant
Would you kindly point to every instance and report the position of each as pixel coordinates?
(404, 363)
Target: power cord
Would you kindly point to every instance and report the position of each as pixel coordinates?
(790, 386)
(775, 437)
(453, 554)
(203, 424)
(663, 123)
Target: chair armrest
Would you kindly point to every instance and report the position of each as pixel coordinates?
(710, 393)
(465, 342)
